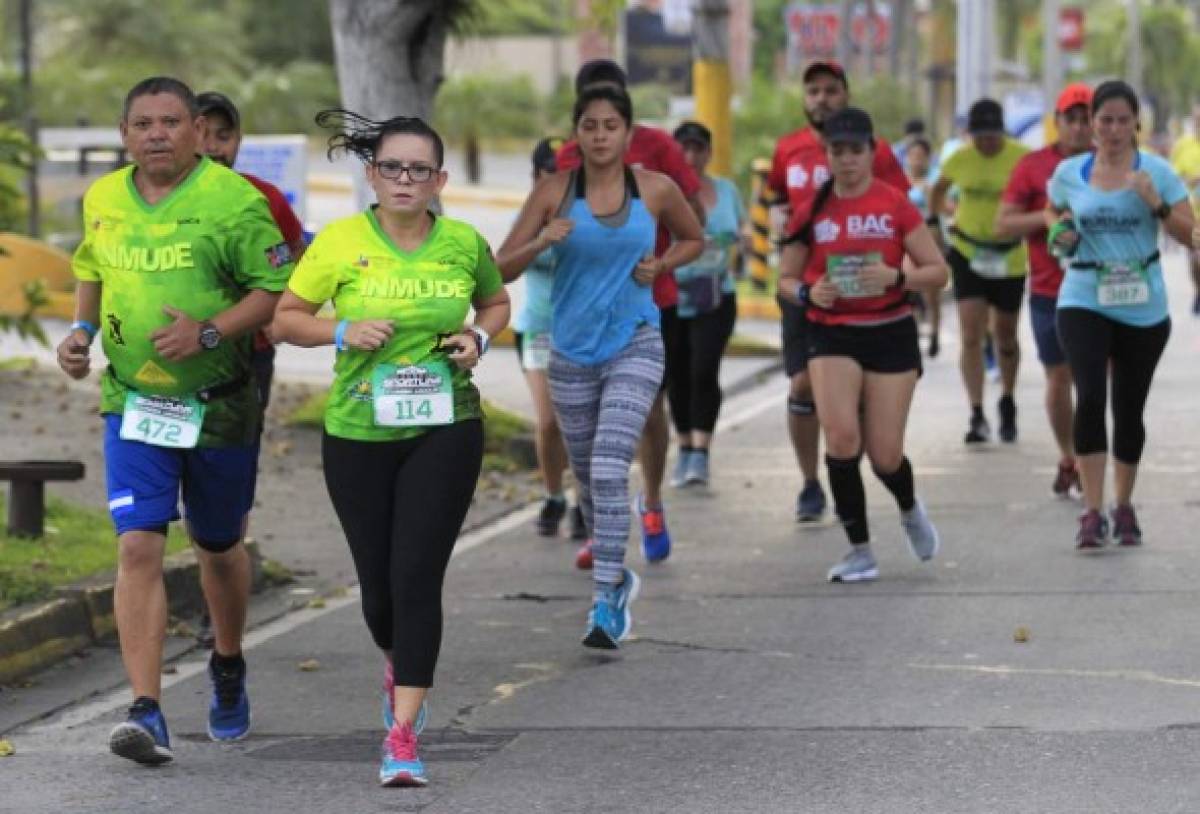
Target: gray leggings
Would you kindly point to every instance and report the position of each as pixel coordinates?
(601, 411)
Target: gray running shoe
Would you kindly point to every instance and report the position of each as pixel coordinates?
(857, 566)
(923, 539)
(697, 468)
(679, 477)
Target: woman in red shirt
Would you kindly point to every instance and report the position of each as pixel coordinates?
(844, 263)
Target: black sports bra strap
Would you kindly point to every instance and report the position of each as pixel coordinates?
(631, 183)
(580, 182)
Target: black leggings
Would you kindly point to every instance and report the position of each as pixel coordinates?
(694, 348)
(1091, 340)
(401, 505)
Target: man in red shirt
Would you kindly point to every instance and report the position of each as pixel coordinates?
(798, 170)
(1022, 214)
(221, 144)
(656, 150)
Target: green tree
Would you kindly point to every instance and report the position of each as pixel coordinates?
(472, 107)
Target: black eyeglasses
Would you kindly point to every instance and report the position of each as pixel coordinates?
(394, 171)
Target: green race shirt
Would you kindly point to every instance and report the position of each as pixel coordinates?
(981, 181)
(199, 250)
(425, 292)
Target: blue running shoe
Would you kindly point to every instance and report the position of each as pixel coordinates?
(400, 765)
(609, 621)
(229, 711)
(143, 736)
(389, 709)
(810, 505)
(656, 540)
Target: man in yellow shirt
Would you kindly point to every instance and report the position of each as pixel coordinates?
(1185, 160)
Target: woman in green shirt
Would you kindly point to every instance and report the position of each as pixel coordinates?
(403, 439)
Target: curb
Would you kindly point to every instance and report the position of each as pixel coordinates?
(81, 615)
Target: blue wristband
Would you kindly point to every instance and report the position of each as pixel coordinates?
(339, 334)
(86, 327)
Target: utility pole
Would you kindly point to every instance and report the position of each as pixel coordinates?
(711, 79)
(1133, 64)
(31, 128)
(845, 42)
(1052, 65)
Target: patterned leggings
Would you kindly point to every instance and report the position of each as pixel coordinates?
(601, 411)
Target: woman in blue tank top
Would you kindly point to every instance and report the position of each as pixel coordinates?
(606, 361)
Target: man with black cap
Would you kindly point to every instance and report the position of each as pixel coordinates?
(223, 139)
(988, 270)
(1023, 214)
(798, 169)
(650, 149)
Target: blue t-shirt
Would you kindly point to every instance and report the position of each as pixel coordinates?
(1116, 227)
(534, 316)
(722, 227)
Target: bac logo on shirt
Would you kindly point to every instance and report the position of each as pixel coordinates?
(868, 227)
(826, 231)
(797, 176)
(820, 175)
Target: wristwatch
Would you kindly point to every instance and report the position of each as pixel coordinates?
(210, 337)
(1162, 211)
(482, 340)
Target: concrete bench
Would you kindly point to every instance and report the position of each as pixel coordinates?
(27, 491)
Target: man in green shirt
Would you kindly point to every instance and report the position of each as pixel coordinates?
(180, 262)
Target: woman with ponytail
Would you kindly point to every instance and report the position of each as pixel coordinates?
(844, 263)
(403, 441)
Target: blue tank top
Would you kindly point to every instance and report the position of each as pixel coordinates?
(597, 304)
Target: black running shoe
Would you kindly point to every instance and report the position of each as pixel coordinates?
(578, 527)
(980, 432)
(550, 518)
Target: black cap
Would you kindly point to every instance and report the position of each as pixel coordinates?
(828, 66)
(545, 154)
(693, 132)
(599, 70)
(914, 127)
(211, 101)
(985, 116)
(848, 124)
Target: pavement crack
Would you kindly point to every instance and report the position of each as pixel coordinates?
(698, 647)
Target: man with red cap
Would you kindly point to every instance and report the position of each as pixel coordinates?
(1022, 214)
(798, 170)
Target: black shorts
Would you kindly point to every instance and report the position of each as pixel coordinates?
(888, 348)
(794, 329)
(1003, 295)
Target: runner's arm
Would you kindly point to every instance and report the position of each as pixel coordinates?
(937, 197)
(1014, 222)
(676, 213)
(792, 261)
(535, 230)
(1180, 223)
(72, 352)
(929, 269)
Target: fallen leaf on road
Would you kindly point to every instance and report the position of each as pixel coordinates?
(1021, 635)
(7, 749)
(309, 666)
(316, 603)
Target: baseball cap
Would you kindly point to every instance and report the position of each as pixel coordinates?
(985, 116)
(1072, 95)
(849, 124)
(693, 132)
(545, 154)
(211, 101)
(599, 70)
(828, 66)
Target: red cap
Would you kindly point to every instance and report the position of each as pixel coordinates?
(828, 66)
(1074, 94)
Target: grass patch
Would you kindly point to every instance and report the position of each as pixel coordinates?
(79, 543)
(18, 364)
(740, 345)
(500, 427)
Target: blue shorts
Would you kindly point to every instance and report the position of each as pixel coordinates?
(145, 481)
(1045, 333)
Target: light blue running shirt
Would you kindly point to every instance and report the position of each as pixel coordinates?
(597, 304)
(1116, 227)
(722, 227)
(534, 316)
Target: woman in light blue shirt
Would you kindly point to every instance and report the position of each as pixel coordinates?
(1106, 211)
(697, 330)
